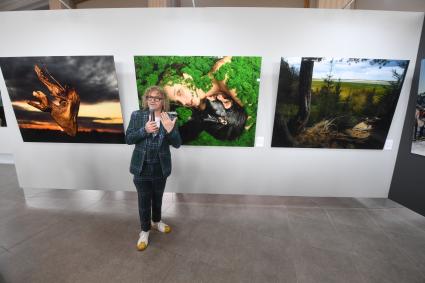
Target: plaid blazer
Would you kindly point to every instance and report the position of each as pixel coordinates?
(136, 134)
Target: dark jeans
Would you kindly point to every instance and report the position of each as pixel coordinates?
(150, 189)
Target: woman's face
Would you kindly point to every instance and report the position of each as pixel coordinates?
(225, 100)
(183, 95)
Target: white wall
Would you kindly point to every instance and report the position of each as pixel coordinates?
(8, 135)
(270, 33)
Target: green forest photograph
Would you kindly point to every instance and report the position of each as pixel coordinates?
(336, 102)
(215, 98)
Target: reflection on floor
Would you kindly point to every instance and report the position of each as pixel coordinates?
(90, 236)
(418, 147)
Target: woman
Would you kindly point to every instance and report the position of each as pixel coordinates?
(151, 159)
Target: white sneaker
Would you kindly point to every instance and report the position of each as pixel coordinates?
(142, 243)
(161, 227)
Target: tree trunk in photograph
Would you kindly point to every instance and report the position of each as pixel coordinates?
(304, 96)
(281, 134)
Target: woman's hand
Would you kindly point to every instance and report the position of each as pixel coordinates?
(167, 122)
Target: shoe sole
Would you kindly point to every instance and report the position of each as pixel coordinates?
(142, 246)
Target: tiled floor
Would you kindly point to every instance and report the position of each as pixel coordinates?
(90, 236)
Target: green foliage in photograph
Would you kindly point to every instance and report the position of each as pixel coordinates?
(241, 74)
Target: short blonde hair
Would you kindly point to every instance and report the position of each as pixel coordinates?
(165, 101)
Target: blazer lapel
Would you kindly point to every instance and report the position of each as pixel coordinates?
(145, 118)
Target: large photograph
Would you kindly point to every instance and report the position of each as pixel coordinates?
(215, 98)
(2, 115)
(418, 143)
(65, 99)
(336, 102)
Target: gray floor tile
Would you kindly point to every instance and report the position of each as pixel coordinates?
(374, 245)
(378, 203)
(336, 202)
(12, 194)
(120, 195)
(410, 216)
(194, 211)
(382, 271)
(87, 236)
(23, 226)
(215, 244)
(253, 218)
(11, 208)
(299, 202)
(357, 217)
(320, 265)
(308, 212)
(112, 207)
(73, 258)
(392, 223)
(184, 270)
(59, 204)
(68, 194)
(317, 233)
(266, 258)
(14, 269)
(178, 241)
(413, 246)
(69, 252)
(230, 199)
(151, 265)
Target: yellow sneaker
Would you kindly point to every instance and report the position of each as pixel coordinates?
(142, 243)
(161, 227)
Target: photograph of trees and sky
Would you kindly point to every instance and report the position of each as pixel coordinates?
(2, 115)
(215, 98)
(336, 102)
(65, 99)
(418, 143)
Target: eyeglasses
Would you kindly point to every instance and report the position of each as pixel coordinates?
(154, 98)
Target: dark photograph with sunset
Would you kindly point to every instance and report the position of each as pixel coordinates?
(65, 99)
(336, 102)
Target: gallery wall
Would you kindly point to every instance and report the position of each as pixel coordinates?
(8, 137)
(269, 33)
(407, 186)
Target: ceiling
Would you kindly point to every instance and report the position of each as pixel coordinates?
(19, 5)
(394, 5)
